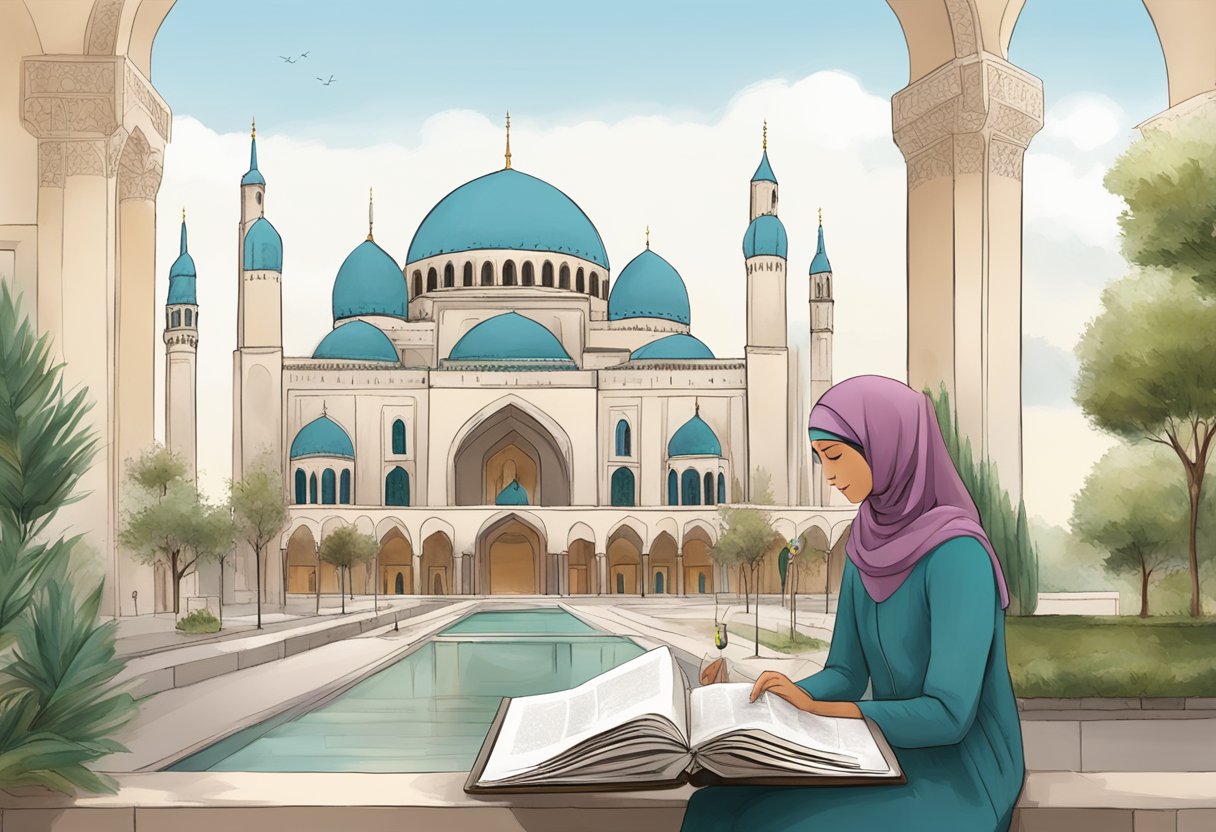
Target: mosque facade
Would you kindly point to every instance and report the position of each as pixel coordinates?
(504, 413)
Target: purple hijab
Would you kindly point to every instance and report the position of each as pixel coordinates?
(918, 501)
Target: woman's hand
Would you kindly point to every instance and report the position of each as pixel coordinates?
(771, 681)
(714, 672)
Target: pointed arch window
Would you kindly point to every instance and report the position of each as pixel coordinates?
(398, 437)
(468, 274)
(563, 278)
(546, 274)
(721, 488)
(690, 488)
(301, 486)
(595, 284)
(487, 274)
(397, 487)
(508, 273)
(529, 278)
(188, 317)
(312, 488)
(176, 318)
(709, 488)
(580, 283)
(417, 283)
(673, 489)
(449, 276)
(624, 442)
(344, 487)
(432, 279)
(328, 482)
(622, 487)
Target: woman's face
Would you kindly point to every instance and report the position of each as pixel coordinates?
(845, 468)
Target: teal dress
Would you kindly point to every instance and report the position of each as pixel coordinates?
(934, 655)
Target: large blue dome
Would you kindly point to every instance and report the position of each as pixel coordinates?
(511, 339)
(263, 248)
(322, 437)
(370, 283)
(694, 438)
(356, 341)
(765, 236)
(649, 287)
(182, 275)
(680, 346)
(510, 210)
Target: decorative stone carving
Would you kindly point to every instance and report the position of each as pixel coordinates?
(73, 97)
(74, 77)
(1005, 159)
(85, 158)
(969, 153)
(103, 27)
(938, 161)
(139, 90)
(139, 169)
(918, 98)
(962, 24)
(50, 164)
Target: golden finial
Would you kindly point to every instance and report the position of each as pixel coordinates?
(508, 139)
(821, 216)
(369, 213)
(696, 406)
(253, 130)
(764, 142)
(648, 236)
(323, 408)
(183, 213)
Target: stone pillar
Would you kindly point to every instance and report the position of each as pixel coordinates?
(563, 566)
(467, 572)
(416, 570)
(601, 567)
(680, 572)
(963, 129)
(645, 576)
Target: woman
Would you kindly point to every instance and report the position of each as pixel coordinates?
(920, 622)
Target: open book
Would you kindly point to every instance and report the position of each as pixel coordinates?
(640, 726)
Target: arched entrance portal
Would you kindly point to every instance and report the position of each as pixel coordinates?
(511, 558)
(698, 566)
(436, 574)
(625, 562)
(302, 562)
(396, 564)
(510, 445)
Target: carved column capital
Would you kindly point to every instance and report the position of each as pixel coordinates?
(81, 97)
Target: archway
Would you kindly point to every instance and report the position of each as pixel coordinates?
(511, 558)
(698, 565)
(582, 569)
(396, 564)
(811, 563)
(302, 562)
(662, 578)
(510, 437)
(437, 568)
(624, 562)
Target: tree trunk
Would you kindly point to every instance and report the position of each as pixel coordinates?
(746, 591)
(221, 593)
(376, 586)
(756, 581)
(342, 588)
(318, 582)
(1144, 573)
(257, 567)
(1192, 548)
(177, 583)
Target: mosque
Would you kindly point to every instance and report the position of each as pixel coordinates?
(504, 414)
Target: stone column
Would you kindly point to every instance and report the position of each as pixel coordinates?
(680, 572)
(416, 569)
(601, 567)
(645, 576)
(467, 572)
(563, 566)
(963, 129)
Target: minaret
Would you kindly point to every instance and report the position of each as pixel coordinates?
(181, 360)
(765, 246)
(257, 365)
(821, 347)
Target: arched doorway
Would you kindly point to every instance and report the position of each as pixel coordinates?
(301, 562)
(396, 564)
(583, 572)
(510, 443)
(624, 562)
(511, 558)
(662, 578)
(437, 570)
(698, 566)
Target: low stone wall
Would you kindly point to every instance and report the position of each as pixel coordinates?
(1077, 603)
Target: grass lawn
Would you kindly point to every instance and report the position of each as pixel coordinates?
(780, 642)
(1116, 656)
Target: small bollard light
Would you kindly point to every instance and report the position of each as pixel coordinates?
(395, 630)
(135, 600)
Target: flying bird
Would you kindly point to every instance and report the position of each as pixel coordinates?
(305, 54)
(289, 60)
(325, 83)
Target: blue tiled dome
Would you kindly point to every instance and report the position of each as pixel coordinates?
(764, 173)
(356, 341)
(510, 210)
(820, 264)
(512, 339)
(513, 495)
(322, 437)
(370, 283)
(765, 235)
(694, 438)
(182, 275)
(678, 346)
(263, 247)
(649, 287)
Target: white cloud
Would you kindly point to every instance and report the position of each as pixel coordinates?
(1086, 120)
(1059, 447)
(1066, 198)
(687, 180)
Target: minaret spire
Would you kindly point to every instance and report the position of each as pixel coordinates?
(183, 249)
(508, 140)
(764, 141)
(253, 145)
(370, 217)
(648, 237)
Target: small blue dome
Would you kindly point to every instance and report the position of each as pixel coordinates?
(765, 236)
(511, 337)
(678, 346)
(510, 210)
(370, 283)
(513, 495)
(356, 341)
(322, 437)
(694, 438)
(649, 287)
(182, 276)
(253, 176)
(764, 173)
(820, 264)
(263, 248)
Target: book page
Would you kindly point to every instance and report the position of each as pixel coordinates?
(539, 728)
(720, 709)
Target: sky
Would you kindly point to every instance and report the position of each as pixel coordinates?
(645, 114)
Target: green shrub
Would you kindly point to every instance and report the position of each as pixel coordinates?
(199, 621)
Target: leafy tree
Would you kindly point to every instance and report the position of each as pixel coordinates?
(170, 522)
(1168, 181)
(1135, 507)
(1148, 372)
(746, 538)
(345, 547)
(1008, 530)
(58, 705)
(259, 508)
